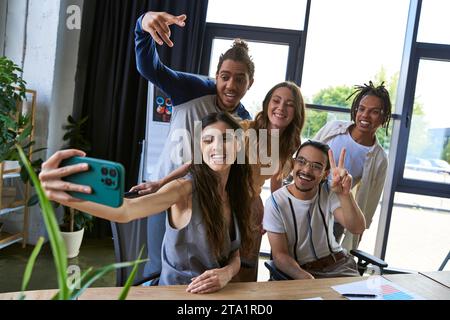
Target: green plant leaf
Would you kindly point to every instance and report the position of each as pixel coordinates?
(91, 278)
(54, 235)
(126, 288)
(25, 134)
(30, 266)
(71, 120)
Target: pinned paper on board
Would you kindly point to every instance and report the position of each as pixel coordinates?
(375, 288)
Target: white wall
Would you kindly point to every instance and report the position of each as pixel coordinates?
(15, 30)
(64, 77)
(37, 39)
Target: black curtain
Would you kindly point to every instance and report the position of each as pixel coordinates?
(109, 89)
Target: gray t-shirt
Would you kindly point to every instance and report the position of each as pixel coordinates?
(311, 230)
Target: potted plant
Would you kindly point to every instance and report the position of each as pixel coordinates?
(16, 129)
(15, 124)
(69, 289)
(75, 222)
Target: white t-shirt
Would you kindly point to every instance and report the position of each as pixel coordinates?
(311, 230)
(355, 157)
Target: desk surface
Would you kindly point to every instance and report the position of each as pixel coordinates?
(439, 276)
(274, 290)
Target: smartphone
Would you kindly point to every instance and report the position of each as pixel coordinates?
(106, 179)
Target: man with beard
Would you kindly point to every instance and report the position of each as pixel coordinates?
(299, 218)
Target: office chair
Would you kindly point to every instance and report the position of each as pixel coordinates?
(129, 239)
(364, 259)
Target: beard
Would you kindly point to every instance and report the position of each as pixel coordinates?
(302, 189)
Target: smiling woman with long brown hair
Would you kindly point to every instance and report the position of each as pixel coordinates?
(208, 210)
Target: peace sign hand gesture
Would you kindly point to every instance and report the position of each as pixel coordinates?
(341, 182)
(157, 24)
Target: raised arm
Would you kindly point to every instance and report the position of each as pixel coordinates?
(56, 190)
(148, 63)
(181, 87)
(157, 25)
(349, 214)
(153, 186)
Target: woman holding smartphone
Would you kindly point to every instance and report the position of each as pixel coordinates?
(282, 117)
(208, 210)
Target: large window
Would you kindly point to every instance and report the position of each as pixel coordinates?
(428, 153)
(351, 42)
(283, 14)
(434, 22)
(275, 44)
(419, 232)
(414, 233)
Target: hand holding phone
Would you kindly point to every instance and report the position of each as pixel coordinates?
(106, 179)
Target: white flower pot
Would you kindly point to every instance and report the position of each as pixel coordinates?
(73, 242)
(11, 165)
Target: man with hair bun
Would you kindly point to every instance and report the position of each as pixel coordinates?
(193, 98)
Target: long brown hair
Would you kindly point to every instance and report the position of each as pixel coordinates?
(290, 138)
(239, 189)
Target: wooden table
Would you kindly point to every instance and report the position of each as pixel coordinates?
(439, 276)
(274, 290)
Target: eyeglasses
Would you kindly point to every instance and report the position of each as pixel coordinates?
(318, 167)
(376, 112)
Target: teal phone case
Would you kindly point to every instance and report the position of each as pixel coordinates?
(106, 178)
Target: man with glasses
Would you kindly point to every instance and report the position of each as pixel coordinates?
(299, 217)
(366, 160)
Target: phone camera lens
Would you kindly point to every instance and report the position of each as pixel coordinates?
(108, 182)
(113, 173)
(104, 171)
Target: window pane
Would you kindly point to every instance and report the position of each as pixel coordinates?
(428, 154)
(419, 234)
(354, 41)
(263, 56)
(316, 119)
(434, 24)
(286, 14)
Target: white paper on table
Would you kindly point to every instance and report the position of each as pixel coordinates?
(384, 289)
(315, 298)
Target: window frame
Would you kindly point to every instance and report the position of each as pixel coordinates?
(413, 52)
(422, 51)
(294, 39)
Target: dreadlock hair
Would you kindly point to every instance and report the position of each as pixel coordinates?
(290, 138)
(239, 188)
(380, 91)
(239, 53)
